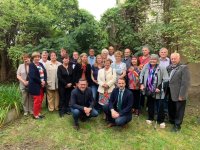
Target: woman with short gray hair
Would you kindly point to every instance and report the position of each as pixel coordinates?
(152, 78)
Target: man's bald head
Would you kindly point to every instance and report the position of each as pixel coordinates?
(175, 58)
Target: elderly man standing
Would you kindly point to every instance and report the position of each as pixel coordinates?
(127, 57)
(91, 57)
(82, 103)
(119, 109)
(179, 81)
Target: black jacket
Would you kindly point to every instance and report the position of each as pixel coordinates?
(80, 99)
(127, 101)
(64, 75)
(78, 72)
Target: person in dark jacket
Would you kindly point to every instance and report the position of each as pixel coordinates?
(83, 69)
(119, 109)
(179, 82)
(82, 103)
(37, 82)
(65, 85)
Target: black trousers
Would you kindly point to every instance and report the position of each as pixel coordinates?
(160, 109)
(136, 98)
(176, 111)
(64, 94)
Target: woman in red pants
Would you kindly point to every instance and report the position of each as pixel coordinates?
(37, 81)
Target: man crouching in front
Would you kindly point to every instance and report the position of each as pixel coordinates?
(82, 103)
(118, 111)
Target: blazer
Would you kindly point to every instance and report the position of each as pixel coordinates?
(52, 80)
(127, 101)
(65, 76)
(108, 77)
(78, 72)
(34, 79)
(162, 76)
(179, 82)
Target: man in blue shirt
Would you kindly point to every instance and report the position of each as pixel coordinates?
(91, 57)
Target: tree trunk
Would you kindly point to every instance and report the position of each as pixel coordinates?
(4, 65)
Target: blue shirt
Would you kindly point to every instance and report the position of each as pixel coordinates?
(91, 60)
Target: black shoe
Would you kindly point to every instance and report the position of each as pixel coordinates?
(37, 118)
(61, 115)
(68, 113)
(76, 126)
(176, 128)
(41, 116)
(83, 118)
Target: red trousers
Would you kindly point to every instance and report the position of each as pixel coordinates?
(37, 104)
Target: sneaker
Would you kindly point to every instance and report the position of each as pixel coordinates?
(162, 125)
(149, 122)
(25, 113)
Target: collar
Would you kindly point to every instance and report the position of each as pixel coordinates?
(166, 59)
(122, 90)
(92, 57)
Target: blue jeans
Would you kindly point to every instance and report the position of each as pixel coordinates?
(120, 121)
(94, 91)
(76, 113)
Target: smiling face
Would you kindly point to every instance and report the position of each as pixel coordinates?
(53, 56)
(145, 51)
(99, 59)
(36, 59)
(111, 50)
(134, 61)
(84, 59)
(127, 52)
(107, 64)
(44, 57)
(75, 55)
(175, 58)
(82, 85)
(91, 52)
(153, 61)
(163, 53)
(121, 84)
(66, 60)
(26, 60)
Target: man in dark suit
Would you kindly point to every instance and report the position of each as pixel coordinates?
(118, 111)
(179, 79)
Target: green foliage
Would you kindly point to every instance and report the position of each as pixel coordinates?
(9, 98)
(123, 24)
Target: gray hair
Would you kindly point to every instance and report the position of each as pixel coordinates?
(155, 56)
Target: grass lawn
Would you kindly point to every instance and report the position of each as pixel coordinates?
(57, 133)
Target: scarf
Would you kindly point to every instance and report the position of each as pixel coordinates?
(152, 78)
(84, 70)
(133, 76)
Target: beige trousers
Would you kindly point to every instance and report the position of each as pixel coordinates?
(53, 99)
(27, 102)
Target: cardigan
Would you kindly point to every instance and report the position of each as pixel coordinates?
(34, 79)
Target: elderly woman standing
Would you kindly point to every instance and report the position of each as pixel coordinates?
(37, 81)
(106, 80)
(119, 66)
(104, 55)
(152, 78)
(83, 69)
(52, 82)
(22, 76)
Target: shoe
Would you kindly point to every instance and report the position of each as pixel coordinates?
(37, 117)
(176, 128)
(111, 125)
(136, 112)
(61, 115)
(162, 125)
(25, 113)
(41, 116)
(149, 122)
(83, 118)
(76, 126)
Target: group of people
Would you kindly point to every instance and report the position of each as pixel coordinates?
(113, 82)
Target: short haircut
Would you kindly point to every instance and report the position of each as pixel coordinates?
(81, 79)
(122, 79)
(176, 55)
(26, 55)
(34, 54)
(44, 53)
(163, 48)
(66, 56)
(147, 47)
(52, 53)
(118, 53)
(104, 51)
(108, 59)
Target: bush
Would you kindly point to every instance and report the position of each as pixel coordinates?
(9, 98)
